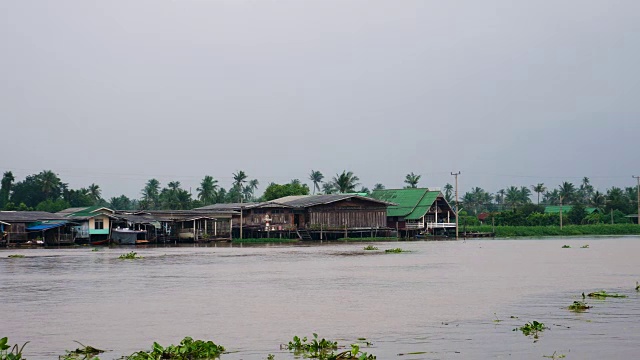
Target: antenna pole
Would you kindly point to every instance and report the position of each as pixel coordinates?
(457, 206)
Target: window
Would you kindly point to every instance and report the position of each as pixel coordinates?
(98, 224)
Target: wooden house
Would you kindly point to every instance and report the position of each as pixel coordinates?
(93, 222)
(33, 227)
(417, 210)
(310, 216)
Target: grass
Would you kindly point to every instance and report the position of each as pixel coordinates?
(567, 230)
(263, 240)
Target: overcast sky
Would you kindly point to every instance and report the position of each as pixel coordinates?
(507, 92)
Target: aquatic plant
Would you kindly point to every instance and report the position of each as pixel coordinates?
(271, 357)
(579, 306)
(95, 249)
(566, 247)
(370, 247)
(16, 256)
(395, 251)
(637, 286)
(584, 246)
(14, 354)
(82, 353)
(187, 350)
(532, 328)
(323, 349)
(604, 294)
(129, 256)
(555, 356)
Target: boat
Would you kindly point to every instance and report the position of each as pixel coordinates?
(100, 242)
(126, 236)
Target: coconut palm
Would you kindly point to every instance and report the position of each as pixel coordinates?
(513, 197)
(540, 188)
(345, 182)
(412, 180)
(448, 190)
(150, 195)
(5, 188)
(49, 184)
(316, 177)
(239, 178)
(500, 196)
(378, 186)
(253, 186)
(207, 190)
(328, 188)
(95, 192)
(567, 192)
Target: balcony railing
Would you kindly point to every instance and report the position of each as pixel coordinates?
(433, 225)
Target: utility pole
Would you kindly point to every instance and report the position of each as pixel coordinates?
(560, 212)
(638, 191)
(456, 175)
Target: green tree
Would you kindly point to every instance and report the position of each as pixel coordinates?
(173, 197)
(207, 190)
(50, 184)
(150, 195)
(239, 178)
(328, 188)
(539, 189)
(95, 193)
(412, 180)
(378, 186)
(448, 193)
(276, 191)
(316, 177)
(345, 182)
(5, 188)
(577, 214)
(53, 205)
(567, 192)
(121, 202)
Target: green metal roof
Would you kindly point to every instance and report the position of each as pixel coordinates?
(412, 203)
(87, 212)
(552, 209)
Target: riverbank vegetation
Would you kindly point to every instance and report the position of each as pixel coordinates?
(263, 241)
(568, 230)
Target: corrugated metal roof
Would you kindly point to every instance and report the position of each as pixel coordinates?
(229, 206)
(553, 209)
(46, 226)
(304, 201)
(412, 203)
(87, 212)
(28, 216)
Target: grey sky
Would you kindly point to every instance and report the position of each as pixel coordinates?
(508, 92)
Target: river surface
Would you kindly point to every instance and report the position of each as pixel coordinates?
(442, 298)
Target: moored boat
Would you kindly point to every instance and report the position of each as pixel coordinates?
(126, 236)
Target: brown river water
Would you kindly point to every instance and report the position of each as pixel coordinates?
(441, 298)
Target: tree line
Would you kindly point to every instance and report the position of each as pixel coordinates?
(45, 191)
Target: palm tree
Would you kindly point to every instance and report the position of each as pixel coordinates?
(207, 190)
(378, 186)
(253, 186)
(567, 192)
(150, 194)
(345, 182)
(500, 197)
(540, 188)
(328, 188)
(316, 177)
(412, 180)
(598, 200)
(95, 192)
(513, 197)
(525, 195)
(49, 184)
(448, 190)
(239, 178)
(5, 188)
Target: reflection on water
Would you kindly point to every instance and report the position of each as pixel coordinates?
(440, 298)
